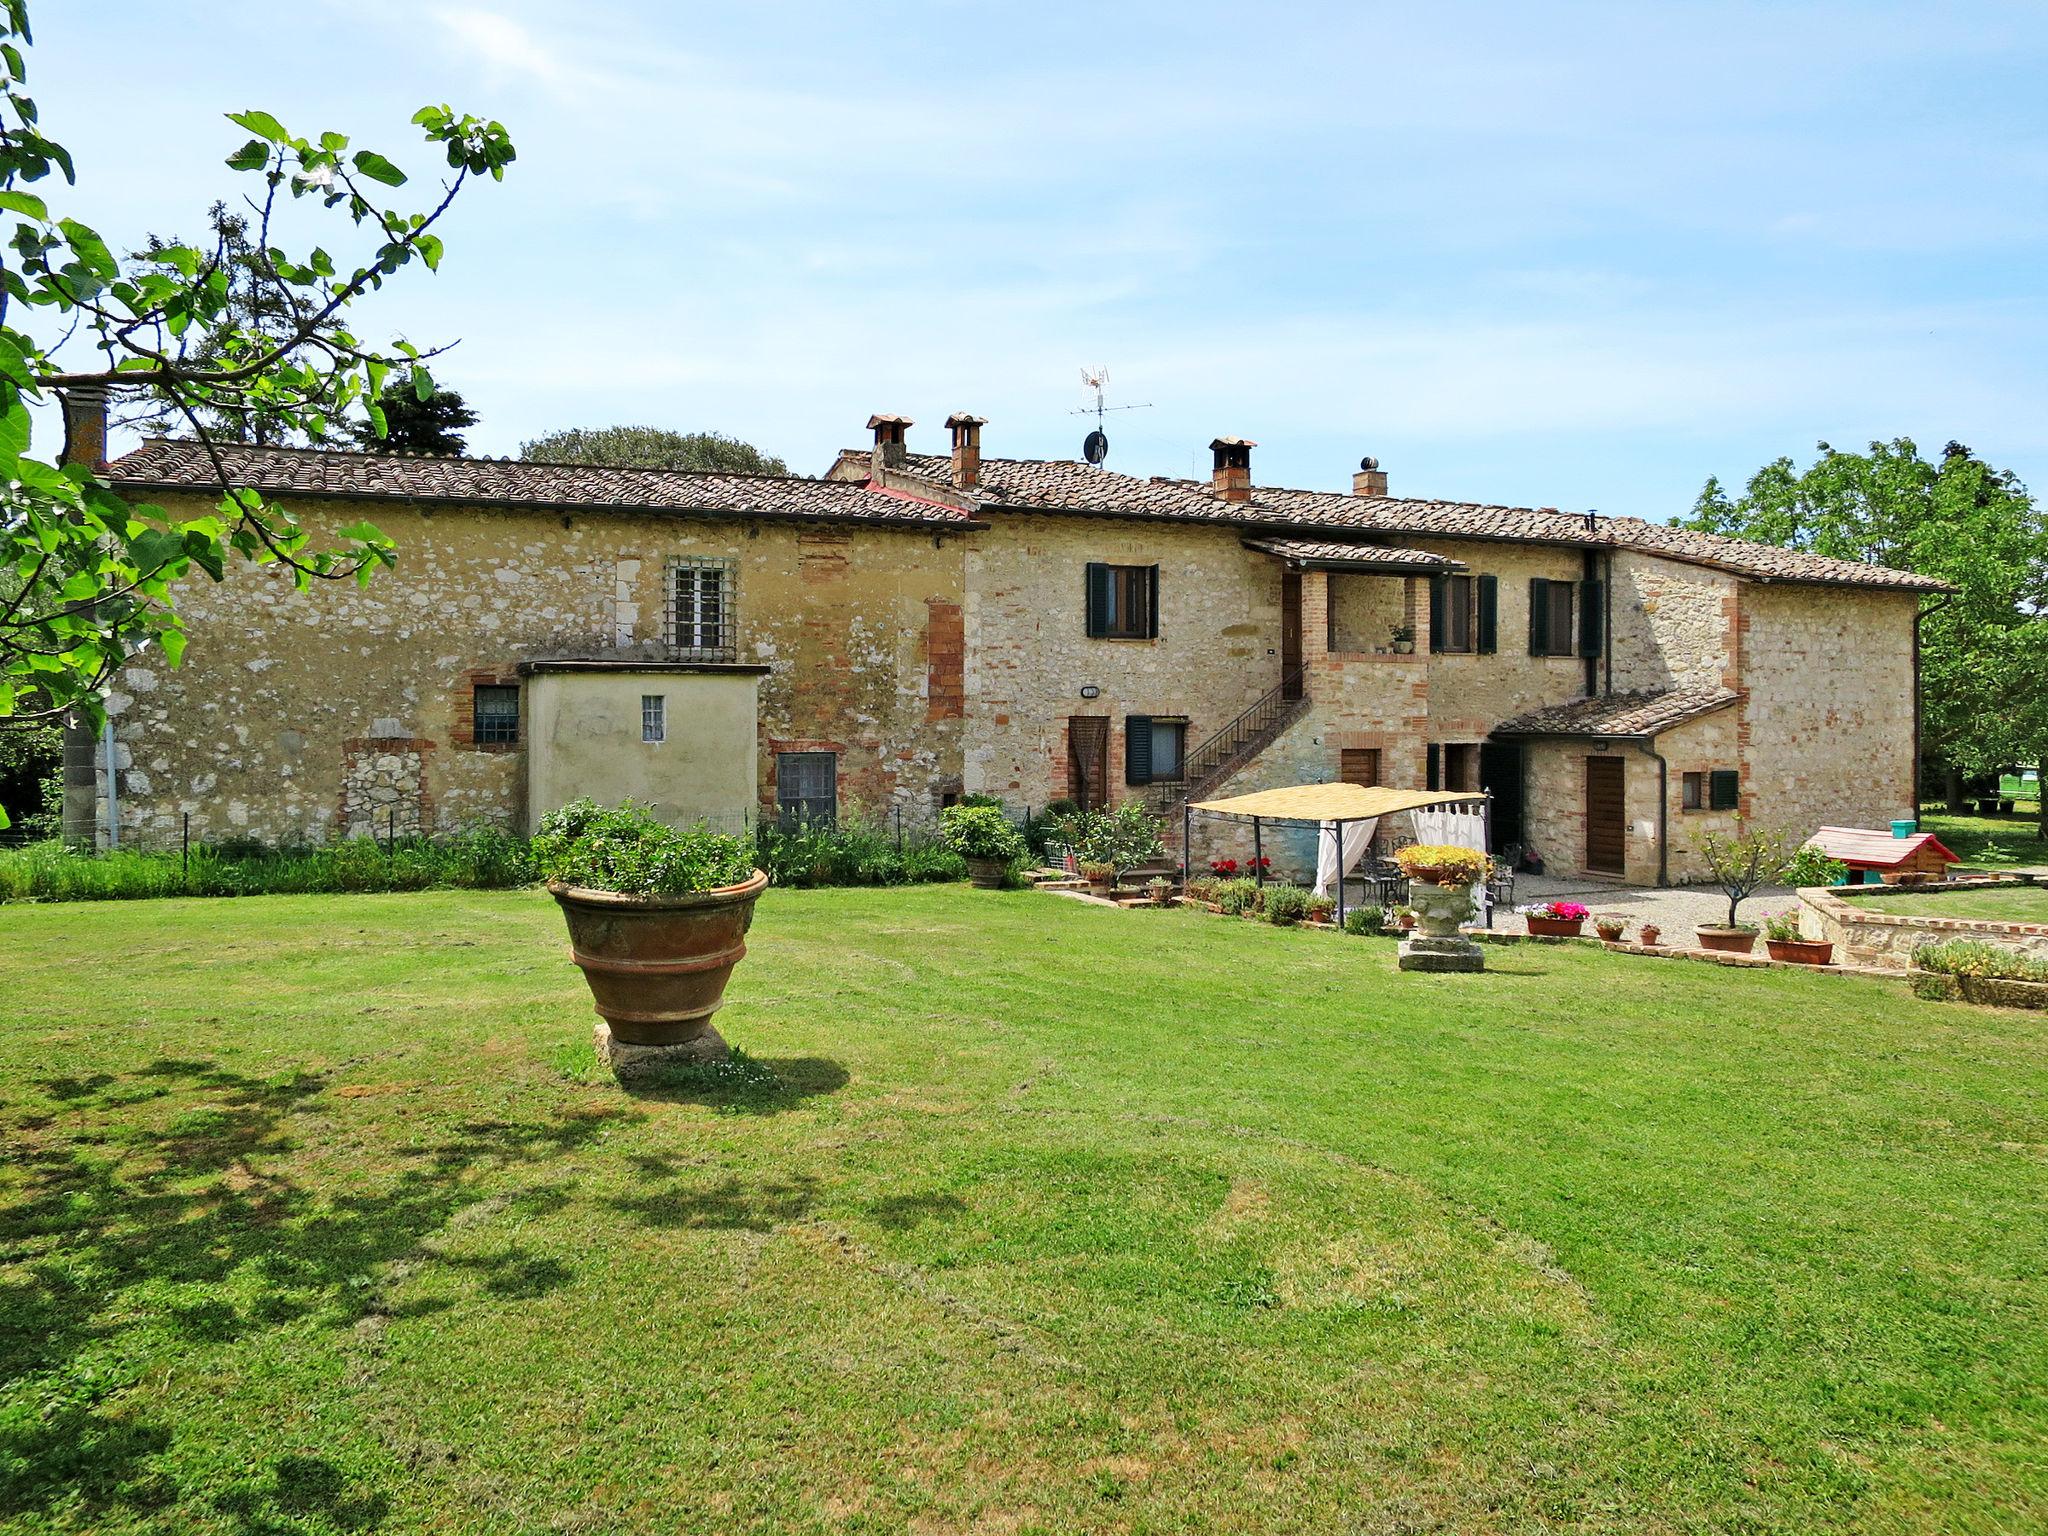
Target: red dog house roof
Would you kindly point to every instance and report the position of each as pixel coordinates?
(1861, 849)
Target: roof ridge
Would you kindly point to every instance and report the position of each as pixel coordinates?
(309, 450)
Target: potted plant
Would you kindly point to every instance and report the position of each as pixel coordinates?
(1120, 839)
(1321, 909)
(1556, 919)
(983, 837)
(1160, 889)
(1100, 875)
(1650, 936)
(1440, 881)
(1784, 941)
(657, 917)
(1404, 919)
(1741, 863)
(1610, 928)
(1402, 637)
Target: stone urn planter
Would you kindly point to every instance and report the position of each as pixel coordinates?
(1545, 927)
(1728, 941)
(1436, 944)
(1801, 951)
(986, 874)
(657, 965)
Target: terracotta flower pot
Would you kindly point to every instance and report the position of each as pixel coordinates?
(1555, 927)
(1650, 935)
(1801, 951)
(987, 874)
(1610, 933)
(1730, 941)
(657, 965)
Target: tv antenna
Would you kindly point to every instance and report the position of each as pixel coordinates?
(1095, 446)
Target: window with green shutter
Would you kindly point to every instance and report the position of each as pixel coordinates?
(1486, 625)
(1550, 617)
(1592, 615)
(1123, 602)
(1724, 789)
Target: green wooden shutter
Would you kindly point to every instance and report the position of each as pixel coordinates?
(1724, 789)
(1137, 749)
(1592, 615)
(1152, 607)
(1101, 598)
(1539, 616)
(1434, 771)
(1438, 590)
(1487, 641)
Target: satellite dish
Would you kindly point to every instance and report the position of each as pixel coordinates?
(1095, 446)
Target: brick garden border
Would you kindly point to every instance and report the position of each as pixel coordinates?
(1886, 940)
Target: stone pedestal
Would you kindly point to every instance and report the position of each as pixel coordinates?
(630, 1061)
(1432, 952)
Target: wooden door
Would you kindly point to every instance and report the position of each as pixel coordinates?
(1606, 816)
(1290, 634)
(1088, 760)
(1500, 775)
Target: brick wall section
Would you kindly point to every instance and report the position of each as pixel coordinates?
(1864, 936)
(945, 661)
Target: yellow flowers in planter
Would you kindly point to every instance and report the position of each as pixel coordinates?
(1441, 864)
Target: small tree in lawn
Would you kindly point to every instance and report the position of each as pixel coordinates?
(1744, 861)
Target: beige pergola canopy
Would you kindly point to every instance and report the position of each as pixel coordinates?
(1333, 802)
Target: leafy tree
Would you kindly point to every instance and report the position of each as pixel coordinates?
(416, 423)
(93, 573)
(651, 448)
(252, 297)
(1984, 649)
(1744, 861)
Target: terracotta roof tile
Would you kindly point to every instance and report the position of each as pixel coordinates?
(162, 465)
(1069, 485)
(1621, 714)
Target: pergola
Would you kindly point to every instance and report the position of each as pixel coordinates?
(1314, 804)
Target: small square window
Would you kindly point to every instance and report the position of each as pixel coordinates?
(1693, 792)
(494, 715)
(653, 717)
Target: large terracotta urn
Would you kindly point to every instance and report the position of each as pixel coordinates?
(657, 965)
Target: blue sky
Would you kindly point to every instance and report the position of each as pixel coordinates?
(1567, 255)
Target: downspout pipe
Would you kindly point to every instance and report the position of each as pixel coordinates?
(1647, 745)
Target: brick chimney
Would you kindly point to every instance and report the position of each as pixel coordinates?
(966, 432)
(1232, 476)
(1370, 480)
(890, 449)
(85, 425)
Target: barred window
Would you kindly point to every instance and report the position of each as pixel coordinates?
(807, 787)
(700, 616)
(653, 717)
(494, 714)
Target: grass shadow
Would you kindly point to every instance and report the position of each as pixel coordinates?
(741, 1084)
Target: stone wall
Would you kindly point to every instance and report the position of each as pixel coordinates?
(272, 727)
(1864, 936)
(1828, 719)
(1674, 626)
(1028, 653)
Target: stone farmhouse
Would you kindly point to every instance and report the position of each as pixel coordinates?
(912, 627)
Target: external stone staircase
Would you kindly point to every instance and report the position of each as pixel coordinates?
(1216, 759)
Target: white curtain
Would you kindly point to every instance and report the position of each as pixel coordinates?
(1455, 829)
(1357, 838)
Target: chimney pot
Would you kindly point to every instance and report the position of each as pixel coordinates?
(1370, 480)
(890, 449)
(966, 432)
(1231, 478)
(85, 425)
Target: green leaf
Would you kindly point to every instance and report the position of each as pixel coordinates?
(26, 203)
(262, 124)
(377, 168)
(422, 383)
(252, 156)
(173, 642)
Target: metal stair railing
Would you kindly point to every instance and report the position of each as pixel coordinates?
(1241, 738)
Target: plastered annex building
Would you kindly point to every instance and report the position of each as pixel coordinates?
(911, 627)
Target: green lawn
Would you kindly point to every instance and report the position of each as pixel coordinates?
(1025, 1216)
(2007, 903)
(1990, 842)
